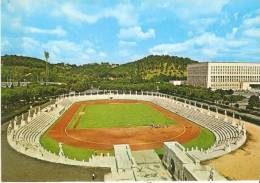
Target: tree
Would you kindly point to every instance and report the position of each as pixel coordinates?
(254, 101)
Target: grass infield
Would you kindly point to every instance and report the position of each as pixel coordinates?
(118, 115)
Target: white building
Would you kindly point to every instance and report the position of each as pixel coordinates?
(235, 76)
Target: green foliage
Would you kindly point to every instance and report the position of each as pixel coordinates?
(153, 67)
(121, 115)
(253, 102)
(15, 99)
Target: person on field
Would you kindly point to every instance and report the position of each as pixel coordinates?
(93, 176)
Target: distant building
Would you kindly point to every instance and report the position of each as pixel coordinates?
(235, 76)
(176, 82)
(10, 84)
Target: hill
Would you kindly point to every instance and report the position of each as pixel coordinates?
(153, 67)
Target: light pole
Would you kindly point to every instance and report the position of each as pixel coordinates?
(46, 55)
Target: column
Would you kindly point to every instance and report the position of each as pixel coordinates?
(225, 119)
(29, 116)
(22, 120)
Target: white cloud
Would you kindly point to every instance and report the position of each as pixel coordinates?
(29, 44)
(201, 24)
(248, 22)
(136, 32)
(127, 43)
(254, 32)
(186, 9)
(204, 46)
(233, 33)
(5, 44)
(123, 13)
(62, 50)
(76, 15)
(57, 31)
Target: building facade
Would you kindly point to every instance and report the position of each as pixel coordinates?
(235, 76)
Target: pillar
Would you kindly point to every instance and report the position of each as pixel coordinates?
(34, 113)
(225, 119)
(22, 120)
(29, 116)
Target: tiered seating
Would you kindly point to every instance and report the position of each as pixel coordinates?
(65, 103)
(30, 133)
(223, 131)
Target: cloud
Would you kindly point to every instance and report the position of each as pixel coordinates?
(76, 15)
(254, 32)
(186, 9)
(61, 50)
(29, 44)
(123, 13)
(249, 22)
(57, 31)
(233, 33)
(79, 53)
(127, 43)
(204, 46)
(201, 24)
(136, 33)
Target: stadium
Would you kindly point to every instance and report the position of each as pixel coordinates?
(125, 131)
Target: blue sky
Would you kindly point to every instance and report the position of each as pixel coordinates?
(86, 31)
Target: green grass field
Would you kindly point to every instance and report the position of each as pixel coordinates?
(205, 140)
(119, 115)
(70, 151)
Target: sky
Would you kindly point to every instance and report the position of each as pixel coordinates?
(87, 31)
